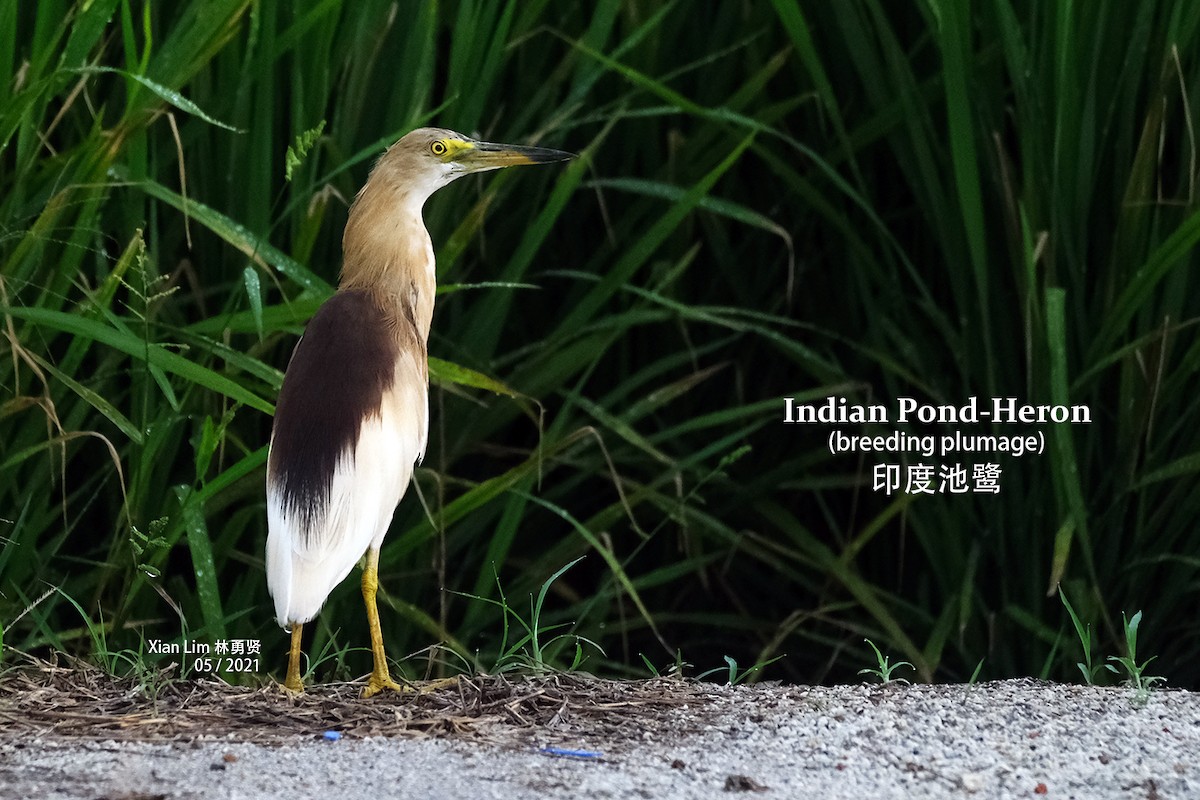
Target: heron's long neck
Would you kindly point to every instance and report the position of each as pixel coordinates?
(387, 252)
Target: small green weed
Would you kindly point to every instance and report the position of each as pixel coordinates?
(885, 667)
(734, 676)
(532, 651)
(974, 679)
(676, 670)
(1136, 676)
(1135, 673)
(1084, 632)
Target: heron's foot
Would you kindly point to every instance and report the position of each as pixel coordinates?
(378, 682)
(293, 684)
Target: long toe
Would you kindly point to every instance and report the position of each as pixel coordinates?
(378, 683)
(436, 684)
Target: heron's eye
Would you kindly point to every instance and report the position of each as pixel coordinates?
(438, 148)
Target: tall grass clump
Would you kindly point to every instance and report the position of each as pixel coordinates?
(783, 199)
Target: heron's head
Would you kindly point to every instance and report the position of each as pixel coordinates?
(426, 159)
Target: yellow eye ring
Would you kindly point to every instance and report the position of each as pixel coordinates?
(438, 148)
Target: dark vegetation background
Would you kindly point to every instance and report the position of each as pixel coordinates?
(862, 199)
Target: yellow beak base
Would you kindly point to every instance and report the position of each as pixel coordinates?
(490, 155)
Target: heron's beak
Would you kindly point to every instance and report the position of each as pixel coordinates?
(489, 155)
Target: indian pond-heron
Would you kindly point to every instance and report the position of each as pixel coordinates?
(353, 413)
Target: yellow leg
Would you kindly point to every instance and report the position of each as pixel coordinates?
(380, 678)
(293, 682)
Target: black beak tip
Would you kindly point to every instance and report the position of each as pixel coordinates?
(548, 156)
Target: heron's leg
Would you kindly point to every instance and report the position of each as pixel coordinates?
(380, 679)
(293, 682)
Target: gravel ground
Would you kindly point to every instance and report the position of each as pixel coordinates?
(1004, 739)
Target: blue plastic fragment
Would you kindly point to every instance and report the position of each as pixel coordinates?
(331, 736)
(565, 753)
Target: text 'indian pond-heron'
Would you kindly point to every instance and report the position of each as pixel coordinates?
(353, 414)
